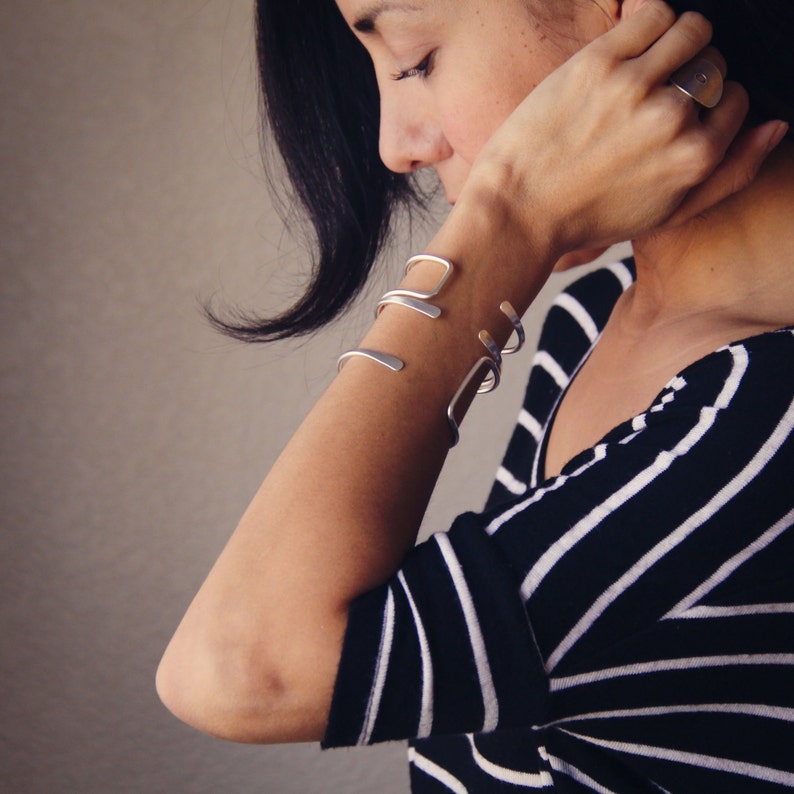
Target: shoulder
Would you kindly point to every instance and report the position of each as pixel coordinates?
(752, 374)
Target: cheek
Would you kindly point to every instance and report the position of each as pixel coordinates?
(470, 121)
(479, 93)
(473, 112)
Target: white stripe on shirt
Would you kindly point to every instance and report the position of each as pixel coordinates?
(511, 483)
(563, 767)
(436, 772)
(622, 274)
(752, 469)
(729, 566)
(426, 713)
(382, 667)
(762, 711)
(489, 699)
(663, 461)
(672, 665)
(730, 765)
(513, 776)
(530, 424)
(567, 302)
(545, 361)
(599, 454)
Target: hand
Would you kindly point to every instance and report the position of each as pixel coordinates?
(605, 149)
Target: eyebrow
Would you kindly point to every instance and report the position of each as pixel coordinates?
(367, 22)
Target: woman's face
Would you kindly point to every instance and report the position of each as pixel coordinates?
(451, 71)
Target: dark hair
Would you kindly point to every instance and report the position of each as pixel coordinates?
(321, 101)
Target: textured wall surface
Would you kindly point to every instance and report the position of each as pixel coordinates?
(131, 435)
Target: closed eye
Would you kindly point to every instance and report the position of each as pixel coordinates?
(423, 68)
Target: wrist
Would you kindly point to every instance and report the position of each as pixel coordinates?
(503, 251)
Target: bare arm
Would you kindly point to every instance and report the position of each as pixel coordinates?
(255, 657)
(334, 518)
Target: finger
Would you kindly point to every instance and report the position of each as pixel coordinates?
(737, 170)
(636, 33)
(707, 141)
(689, 36)
(712, 54)
(725, 120)
(707, 92)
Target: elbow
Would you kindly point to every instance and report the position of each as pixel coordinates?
(236, 695)
(221, 705)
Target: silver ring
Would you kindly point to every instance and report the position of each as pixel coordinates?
(701, 80)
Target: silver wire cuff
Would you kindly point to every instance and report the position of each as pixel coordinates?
(453, 403)
(510, 313)
(396, 296)
(391, 362)
(490, 381)
(494, 363)
(416, 299)
(418, 294)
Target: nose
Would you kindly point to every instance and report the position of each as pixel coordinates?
(411, 136)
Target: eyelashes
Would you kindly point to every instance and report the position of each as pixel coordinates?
(422, 69)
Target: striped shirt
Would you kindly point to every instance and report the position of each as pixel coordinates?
(626, 626)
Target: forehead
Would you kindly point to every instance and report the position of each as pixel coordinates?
(364, 15)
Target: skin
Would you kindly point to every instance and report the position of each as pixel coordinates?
(443, 117)
(461, 99)
(601, 150)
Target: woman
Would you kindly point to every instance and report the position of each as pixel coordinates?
(619, 618)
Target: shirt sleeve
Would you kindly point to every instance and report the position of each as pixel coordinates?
(635, 606)
(418, 658)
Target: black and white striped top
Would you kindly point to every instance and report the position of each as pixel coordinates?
(627, 626)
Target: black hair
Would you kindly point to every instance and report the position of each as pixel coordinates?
(321, 103)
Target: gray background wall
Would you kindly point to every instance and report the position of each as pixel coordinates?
(131, 436)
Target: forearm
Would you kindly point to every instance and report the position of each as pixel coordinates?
(360, 470)
(343, 503)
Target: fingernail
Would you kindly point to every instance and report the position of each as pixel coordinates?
(777, 135)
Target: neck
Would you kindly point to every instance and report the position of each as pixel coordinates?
(736, 260)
